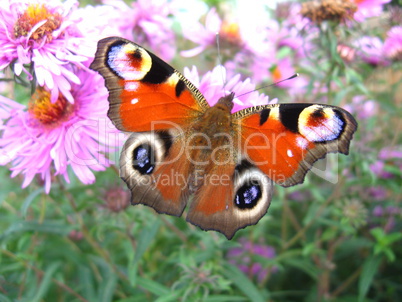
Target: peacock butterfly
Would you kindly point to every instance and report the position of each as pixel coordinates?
(181, 148)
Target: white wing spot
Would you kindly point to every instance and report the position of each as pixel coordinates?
(134, 101)
(289, 153)
(131, 86)
(301, 142)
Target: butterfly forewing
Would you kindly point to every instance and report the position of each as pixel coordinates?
(145, 93)
(284, 140)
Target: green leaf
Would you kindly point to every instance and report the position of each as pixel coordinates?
(309, 249)
(3, 298)
(370, 268)
(362, 88)
(393, 237)
(153, 287)
(224, 298)
(243, 283)
(145, 239)
(284, 52)
(46, 281)
(132, 271)
(305, 265)
(87, 282)
(333, 43)
(31, 197)
(171, 297)
(48, 226)
(384, 242)
(340, 95)
(108, 287)
(136, 298)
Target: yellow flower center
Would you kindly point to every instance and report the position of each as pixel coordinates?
(231, 32)
(47, 113)
(34, 14)
(276, 74)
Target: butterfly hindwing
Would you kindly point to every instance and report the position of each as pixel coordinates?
(150, 166)
(284, 140)
(238, 196)
(145, 93)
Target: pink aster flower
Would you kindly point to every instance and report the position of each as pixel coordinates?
(202, 35)
(45, 138)
(346, 52)
(242, 257)
(95, 23)
(243, 38)
(289, 30)
(371, 50)
(260, 65)
(393, 43)
(389, 216)
(43, 35)
(282, 70)
(147, 23)
(213, 85)
(379, 169)
(388, 157)
(292, 38)
(8, 108)
(389, 153)
(249, 41)
(377, 193)
(368, 8)
(362, 108)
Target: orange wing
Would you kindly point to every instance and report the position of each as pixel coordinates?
(233, 196)
(145, 93)
(285, 140)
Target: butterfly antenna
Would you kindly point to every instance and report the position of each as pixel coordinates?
(273, 84)
(218, 47)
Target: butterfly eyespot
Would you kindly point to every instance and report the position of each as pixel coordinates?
(320, 124)
(142, 154)
(128, 61)
(144, 159)
(248, 195)
(252, 186)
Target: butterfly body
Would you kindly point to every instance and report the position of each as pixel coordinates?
(181, 149)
